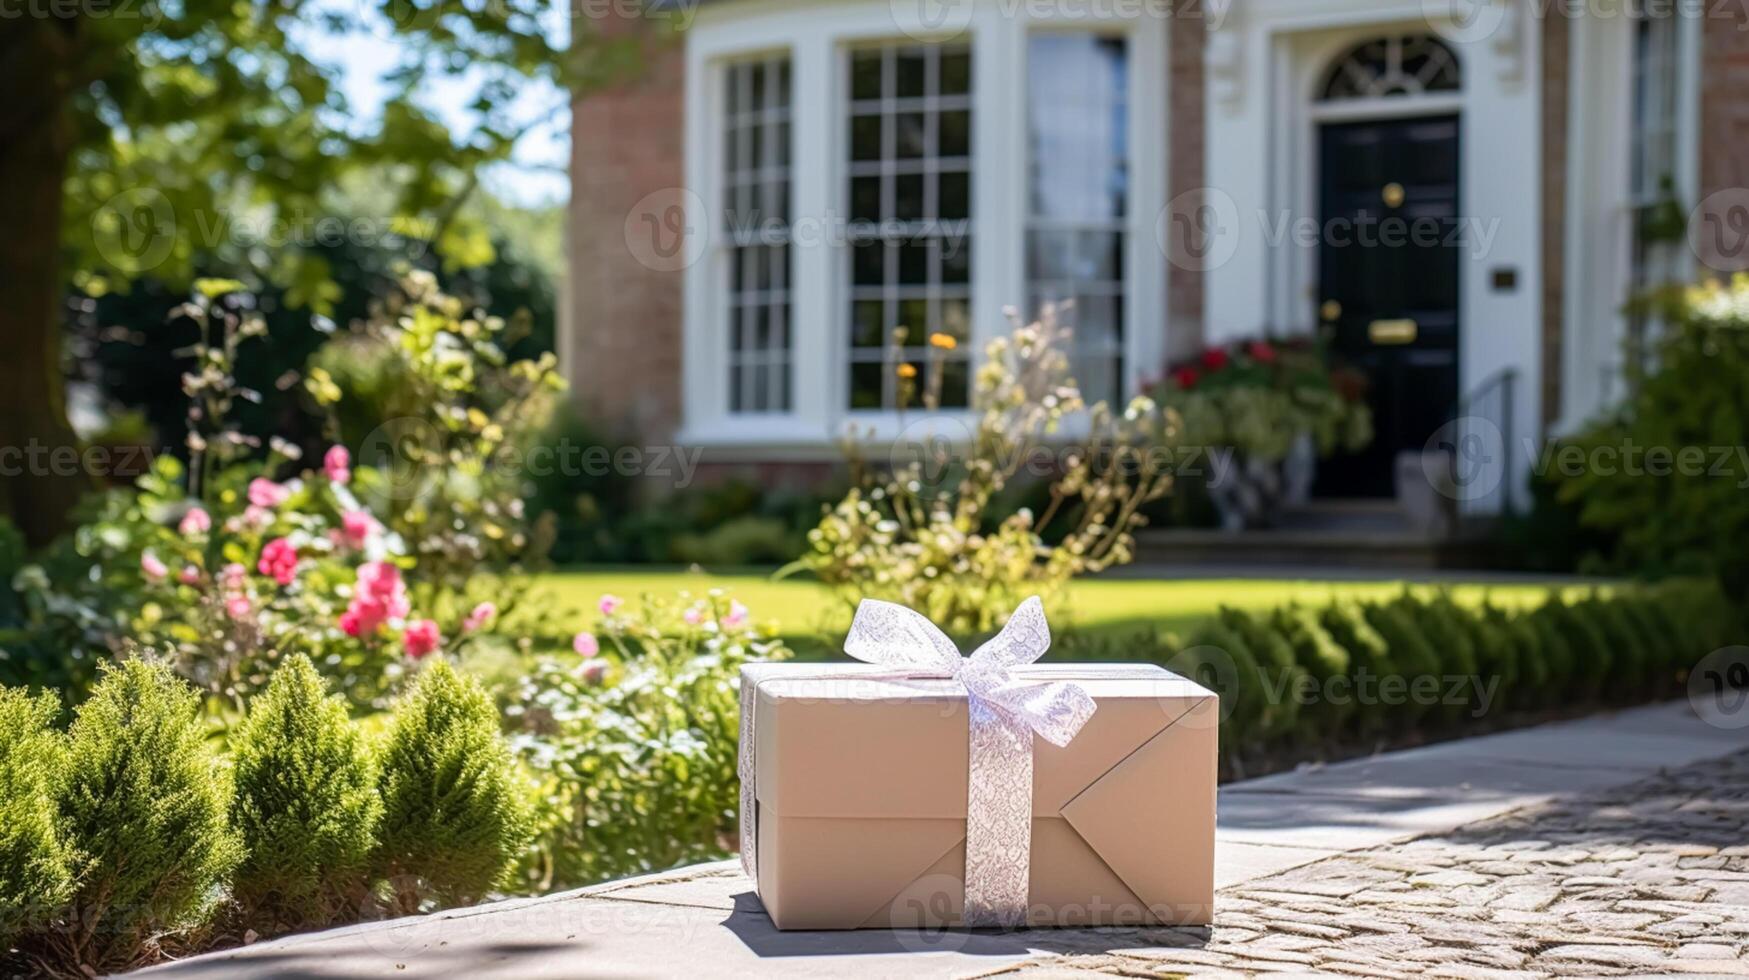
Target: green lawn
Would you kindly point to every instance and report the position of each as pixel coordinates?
(811, 617)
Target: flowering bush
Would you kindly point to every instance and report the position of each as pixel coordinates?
(1258, 397)
(634, 738)
(1266, 411)
(240, 558)
(442, 428)
(922, 534)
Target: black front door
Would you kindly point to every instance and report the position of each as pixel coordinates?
(1388, 274)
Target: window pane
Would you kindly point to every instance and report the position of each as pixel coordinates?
(1078, 132)
(1078, 127)
(756, 178)
(909, 191)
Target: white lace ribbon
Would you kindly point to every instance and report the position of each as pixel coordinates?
(1003, 711)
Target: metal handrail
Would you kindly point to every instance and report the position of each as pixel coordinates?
(1506, 381)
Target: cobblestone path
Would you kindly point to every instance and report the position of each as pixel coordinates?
(1648, 879)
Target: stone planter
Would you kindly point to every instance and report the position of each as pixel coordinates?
(1254, 493)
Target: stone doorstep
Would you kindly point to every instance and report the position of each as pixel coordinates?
(705, 919)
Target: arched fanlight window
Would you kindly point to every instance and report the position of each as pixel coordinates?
(1407, 64)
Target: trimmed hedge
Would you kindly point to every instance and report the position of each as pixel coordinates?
(35, 872)
(306, 804)
(455, 818)
(1422, 661)
(128, 837)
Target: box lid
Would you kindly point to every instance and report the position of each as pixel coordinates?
(860, 743)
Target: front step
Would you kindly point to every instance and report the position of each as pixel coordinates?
(1354, 534)
(1283, 547)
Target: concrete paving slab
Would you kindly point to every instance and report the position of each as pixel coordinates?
(1237, 862)
(1428, 774)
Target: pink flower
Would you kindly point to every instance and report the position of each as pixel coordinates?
(233, 576)
(256, 518)
(279, 561)
(483, 613)
(378, 596)
(357, 527)
(737, 616)
(190, 575)
(196, 521)
(586, 645)
(337, 464)
(238, 607)
(421, 638)
(610, 604)
(266, 493)
(693, 616)
(154, 569)
(594, 671)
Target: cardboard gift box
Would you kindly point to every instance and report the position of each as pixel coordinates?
(859, 799)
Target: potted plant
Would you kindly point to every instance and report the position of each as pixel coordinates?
(1264, 412)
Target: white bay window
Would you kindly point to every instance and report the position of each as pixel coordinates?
(913, 184)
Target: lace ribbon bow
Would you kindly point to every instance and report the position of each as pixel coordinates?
(1004, 712)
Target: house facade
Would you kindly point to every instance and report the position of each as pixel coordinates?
(798, 197)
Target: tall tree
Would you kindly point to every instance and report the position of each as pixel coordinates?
(135, 135)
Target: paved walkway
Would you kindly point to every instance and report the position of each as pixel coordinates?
(1648, 878)
(1612, 845)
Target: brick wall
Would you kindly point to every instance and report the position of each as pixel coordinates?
(1724, 107)
(1555, 33)
(627, 144)
(1186, 175)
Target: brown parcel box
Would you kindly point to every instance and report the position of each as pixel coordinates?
(860, 814)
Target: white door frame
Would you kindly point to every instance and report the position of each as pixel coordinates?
(1261, 155)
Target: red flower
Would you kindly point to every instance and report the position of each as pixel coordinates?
(1261, 352)
(421, 638)
(1214, 358)
(1186, 378)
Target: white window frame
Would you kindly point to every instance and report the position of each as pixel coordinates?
(1601, 200)
(817, 38)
